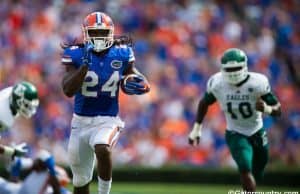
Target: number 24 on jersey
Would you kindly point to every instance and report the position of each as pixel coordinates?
(92, 79)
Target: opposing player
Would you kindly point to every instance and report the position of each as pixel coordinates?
(94, 71)
(243, 96)
(19, 100)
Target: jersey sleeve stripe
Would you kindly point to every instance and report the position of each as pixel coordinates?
(66, 60)
(131, 58)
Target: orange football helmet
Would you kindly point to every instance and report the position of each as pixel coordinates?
(98, 30)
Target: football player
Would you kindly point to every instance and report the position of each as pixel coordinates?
(19, 100)
(44, 176)
(93, 73)
(243, 96)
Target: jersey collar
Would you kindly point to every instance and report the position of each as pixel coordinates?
(244, 81)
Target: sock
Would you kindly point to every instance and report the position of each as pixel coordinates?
(103, 186)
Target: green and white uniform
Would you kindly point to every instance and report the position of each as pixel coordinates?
(238, 91)
(238, 102)
(6, 116)
(245, 135)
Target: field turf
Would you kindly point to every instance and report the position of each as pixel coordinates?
(170, 188)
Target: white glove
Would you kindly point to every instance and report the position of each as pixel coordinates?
(20, 149)
(195, 134)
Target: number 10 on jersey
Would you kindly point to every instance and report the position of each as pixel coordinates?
(244, 108)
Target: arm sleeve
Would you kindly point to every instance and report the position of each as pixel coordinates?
(127, 56)
(266, 93)
(270, 99)
(209, 96)
(131, 57)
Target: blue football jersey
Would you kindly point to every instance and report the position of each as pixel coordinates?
(100, 89)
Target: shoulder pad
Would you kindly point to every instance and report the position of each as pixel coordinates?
(262, 82)
(72, 54)
(213, 82)
(125, 52)
(259, 76)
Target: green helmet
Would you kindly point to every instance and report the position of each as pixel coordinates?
(24, 99)
(234, 65)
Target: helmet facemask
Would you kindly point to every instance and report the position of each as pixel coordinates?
(234, 72)
(101, 39)
(27, 108)
(98, 31)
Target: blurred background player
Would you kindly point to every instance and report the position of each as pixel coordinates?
(18, 100)
(44, 177)
(93, 74)
(243, 97)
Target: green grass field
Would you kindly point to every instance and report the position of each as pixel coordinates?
(169, 188)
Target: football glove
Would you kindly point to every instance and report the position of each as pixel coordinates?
(135, 84)
(20, 149)
(195, 134)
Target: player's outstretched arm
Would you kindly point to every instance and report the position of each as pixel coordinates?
(269, 104)
(73, 79)
(195, 134)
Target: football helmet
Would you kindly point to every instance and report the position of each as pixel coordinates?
(98, 30)
(24, 99)
(234, 66)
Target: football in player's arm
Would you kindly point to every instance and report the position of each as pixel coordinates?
(18, 100)
(243, 97)
(95, 71)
